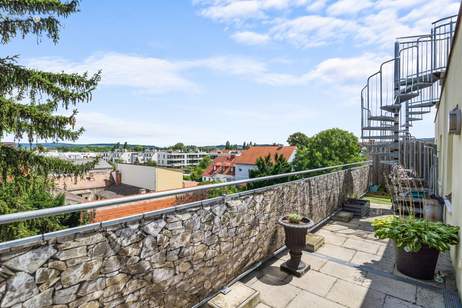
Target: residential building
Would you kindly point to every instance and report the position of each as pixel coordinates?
(147, 156)
(221, 169)
(248, 158)
(150, 178)
(224, 152)
(71, 155)
(179, 159)
(449, 144)
(88, 185)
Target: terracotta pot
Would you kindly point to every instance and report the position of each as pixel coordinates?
(295, 241)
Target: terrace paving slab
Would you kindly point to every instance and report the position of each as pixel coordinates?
(239, 296)
(307, 299)
(393, 302)
(338, 252)
(331, 237)
(355, 296)
(344, 272)
(315, 262)
(429, 298)
(276, 296)
(362, 245)
(314, 282)
(391, 286)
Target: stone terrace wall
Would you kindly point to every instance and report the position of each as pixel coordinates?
(174, 260)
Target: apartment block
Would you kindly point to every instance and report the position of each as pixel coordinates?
(179, 159)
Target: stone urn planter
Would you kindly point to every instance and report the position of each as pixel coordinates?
(295, 241)
(419, 265)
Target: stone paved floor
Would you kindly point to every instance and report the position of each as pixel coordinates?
(352, 269)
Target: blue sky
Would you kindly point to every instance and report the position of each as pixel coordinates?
(206, 71)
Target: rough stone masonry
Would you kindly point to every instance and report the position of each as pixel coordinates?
(173, 260)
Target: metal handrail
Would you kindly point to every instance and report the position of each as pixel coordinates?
(444, 18)
(21, 216)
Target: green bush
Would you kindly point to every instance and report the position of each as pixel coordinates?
(412, 233)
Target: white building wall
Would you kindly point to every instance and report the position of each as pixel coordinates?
(136, 175)
(242, 171)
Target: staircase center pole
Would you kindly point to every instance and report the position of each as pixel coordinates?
(395, 148)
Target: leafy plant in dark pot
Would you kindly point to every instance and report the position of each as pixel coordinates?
(418, 242)
(295, 227)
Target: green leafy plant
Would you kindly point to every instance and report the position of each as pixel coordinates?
(294, 218)
(411, 233)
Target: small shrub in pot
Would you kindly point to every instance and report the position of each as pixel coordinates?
(418, 242)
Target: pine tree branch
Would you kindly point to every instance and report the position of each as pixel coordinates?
(68, 89)
(20, 7)
(36, 121)
(12, 27)
(19, 162)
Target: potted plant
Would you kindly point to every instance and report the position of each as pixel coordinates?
(418, 242)
(295, 227)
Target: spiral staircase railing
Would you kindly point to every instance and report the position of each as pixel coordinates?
(402, 92)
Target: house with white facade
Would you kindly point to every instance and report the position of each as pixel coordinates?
(248, 158)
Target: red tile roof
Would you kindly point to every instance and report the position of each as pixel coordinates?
(221, 165)
(250, 156)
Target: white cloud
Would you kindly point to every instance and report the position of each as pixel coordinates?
(250, 69)
(157, 75)
(250, 38)
(233, 10)
(242, 10)
(316, 5)
(375, 22)
(346, 7)
(146, 73)
(312, 30)
(347, 70)
(114, 128)
(103, 127)
(383, 28)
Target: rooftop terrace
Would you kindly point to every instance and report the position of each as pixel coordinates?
(184, 255)
(352, 269)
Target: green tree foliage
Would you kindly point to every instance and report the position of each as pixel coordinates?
(227, 190)
(31, 193)
(29, 100)
(196, 172)
(151, 163)
(268, 166)
(228, 145)
(328, 148)
(86, 148)
(298, 139)
(178, 147)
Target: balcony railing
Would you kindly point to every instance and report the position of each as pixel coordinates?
(174, 257)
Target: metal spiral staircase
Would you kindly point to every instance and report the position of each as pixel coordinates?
(403, 90)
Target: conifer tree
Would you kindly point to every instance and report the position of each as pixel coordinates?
(36, 105)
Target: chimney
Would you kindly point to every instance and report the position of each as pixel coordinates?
(118, 177)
